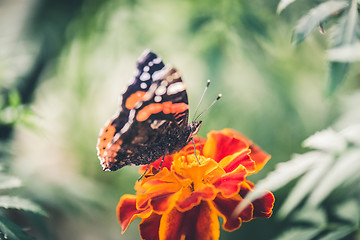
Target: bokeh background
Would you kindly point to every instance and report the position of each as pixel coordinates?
(63, 65)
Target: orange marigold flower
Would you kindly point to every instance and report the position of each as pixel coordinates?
(184, 199)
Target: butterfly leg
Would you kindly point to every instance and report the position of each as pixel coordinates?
(162, 160)
(195, 150)
(147, 168)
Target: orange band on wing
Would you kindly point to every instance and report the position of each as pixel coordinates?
(106, 136)
(166, 108)
(133, 99)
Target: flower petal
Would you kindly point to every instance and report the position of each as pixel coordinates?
(219, 145)
(188, 201)
(230, 163)
(229, 184)
(149, 227)
(259, 156)
(200, 223)
(263, 206)
(127, 212)
(156, 164)
(225, 208)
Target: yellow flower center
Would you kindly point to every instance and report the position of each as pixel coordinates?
(192, 173)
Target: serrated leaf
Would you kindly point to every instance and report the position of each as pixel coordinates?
(348, 53)
(283, 174)
(315, 16)
(345, 33)
(299, 234)
(305, 185)
(283, 4)
(346, 167)
(20, 204)
(9, 230)
(8, 182)
(316, 216)
(326, 140)
(352, 134)
(349, 211)
(337, 234)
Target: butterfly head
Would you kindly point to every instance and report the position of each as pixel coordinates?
(194, 128)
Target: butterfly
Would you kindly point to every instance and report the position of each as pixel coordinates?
(152, 120)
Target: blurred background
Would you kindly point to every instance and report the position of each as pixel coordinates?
(63, 65)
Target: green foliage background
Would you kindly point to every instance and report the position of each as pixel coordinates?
(64, 63)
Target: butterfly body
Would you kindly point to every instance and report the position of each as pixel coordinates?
(152, 120)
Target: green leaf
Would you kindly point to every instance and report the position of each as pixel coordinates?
(8, 182)
(348, 53)
(299, 234)
(352, 134)
(282, 175)
(283, 4)
(316, 16)
(326, 140)
(349, 211)
(9, 230)
(339, 233)
(315, 216)
(345, 33)
(20, 204)
(346, 167)
(305, 185)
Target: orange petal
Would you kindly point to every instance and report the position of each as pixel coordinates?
(235, 134)
(219, 145)
(263, 206)
(127, 212)
(187, 202)
(259, 156)
(230, 163)
(149, 227)
(189, 148)
(200, 223)
(160, 192)
(229, 184)
(162, 203)
(226, 206)
(207, 225)
(156, 164)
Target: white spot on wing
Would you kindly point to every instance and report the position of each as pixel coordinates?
(157, 123)
(175, 88)
(128, 124)
(157, 60)
(144, 76)
(161, 90)
(125, 127)
(157, 99)
(146, 68)
(143, 85)
(158, 74)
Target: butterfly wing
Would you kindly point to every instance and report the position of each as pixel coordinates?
(155, 126)
(148, 63)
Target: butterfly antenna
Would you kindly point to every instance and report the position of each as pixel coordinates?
(217, 99)
(202, 96)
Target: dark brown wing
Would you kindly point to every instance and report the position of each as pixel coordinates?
(148, 63)
(157, 125)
